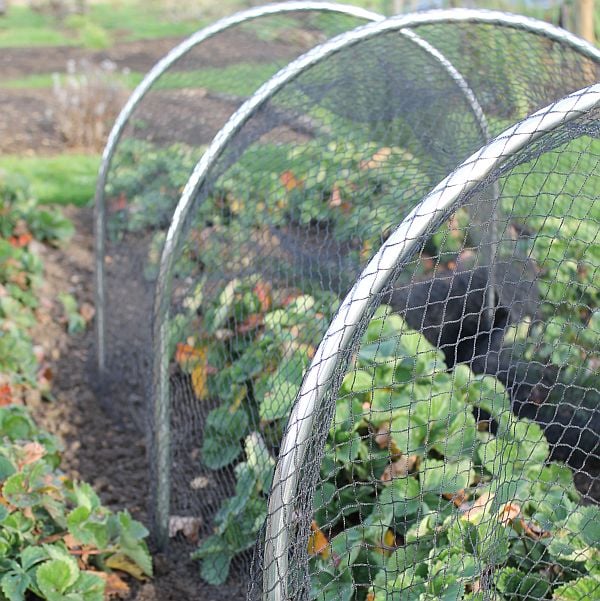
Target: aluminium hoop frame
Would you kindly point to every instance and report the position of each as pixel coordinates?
(341, 334)
(137, 96)
(115, 135)
(160, 394)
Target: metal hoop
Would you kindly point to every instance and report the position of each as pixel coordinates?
(354, 309)
(402, 23)
(136, 97)
(161, 414)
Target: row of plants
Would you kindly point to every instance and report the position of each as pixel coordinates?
(347, 192)
(22, 222)
(57, 541)
(253, 343)
(410, 483)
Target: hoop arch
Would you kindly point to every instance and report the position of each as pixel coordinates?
(343, 330)
(138, 95)
(160, 393)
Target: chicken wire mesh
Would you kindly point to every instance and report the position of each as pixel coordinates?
(156, 141)
(292, 198)
(425, 454)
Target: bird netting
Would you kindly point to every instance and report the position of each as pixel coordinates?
(440, 448)
(157, 140)
(296, 193)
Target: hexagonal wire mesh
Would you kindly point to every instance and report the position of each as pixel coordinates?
(403, 474)
(274, 225)
(157, 139)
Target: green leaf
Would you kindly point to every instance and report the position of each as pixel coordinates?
(455, 437)
(14, 585)
(90, 528)
(215, 568)
(278, 400)
(515, 583)
(441, 477)
(31, 556)
(219, 451)
(357, 381)
(7, 468)
(89, 587)
(228, 422)
(131, 540)
(55, 576)
(582, 589)
(17, 427)
(85, 496)
(17, 491)
(589, 525)
(224, 430)
(259, 460)
(401, 497)
(408, 432)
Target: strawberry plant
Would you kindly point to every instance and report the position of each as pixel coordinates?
(455, 511)
(21, 222)
(409, 483)
(145, 184)
(57, 541)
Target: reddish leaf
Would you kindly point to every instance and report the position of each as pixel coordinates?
(32, 451)
(87, 311)
(6, 395)
(21, 240)
(251, 323)
(119, 204)
(186, 352)
(263, 291)
(336, 197)
(377, 159)
(288, 179)
(116, 586)
(317, 542)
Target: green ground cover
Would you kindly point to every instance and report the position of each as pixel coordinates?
(239, 79)
(61, 179)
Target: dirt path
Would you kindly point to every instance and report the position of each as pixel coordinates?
(108, 453)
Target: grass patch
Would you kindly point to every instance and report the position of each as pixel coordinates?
(30, 37)
(98, 28)
(37, 81)
(42, 81)
(239, 80)
(139, 21)
(60, 179)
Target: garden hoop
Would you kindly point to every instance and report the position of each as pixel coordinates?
(341, 334)
(160, 394)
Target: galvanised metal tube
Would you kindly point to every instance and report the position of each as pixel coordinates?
(436, 207)
(161, 411)
(136, 97)
(160, 396)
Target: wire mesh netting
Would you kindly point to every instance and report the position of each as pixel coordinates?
(162, 136)
(440, 447)
(300, 193)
